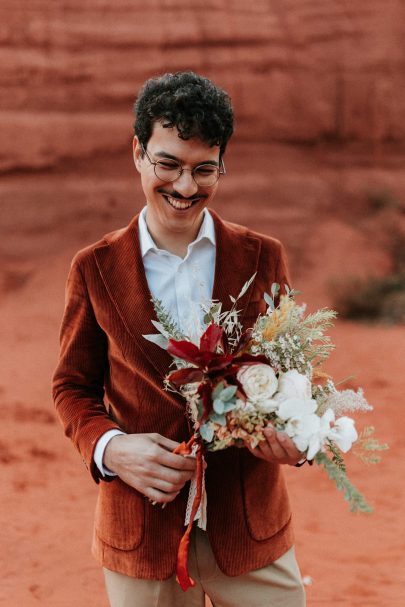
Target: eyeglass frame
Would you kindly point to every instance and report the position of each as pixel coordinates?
(221, 169)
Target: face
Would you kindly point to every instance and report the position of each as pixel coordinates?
(174, 208)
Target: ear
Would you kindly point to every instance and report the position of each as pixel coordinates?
(137, 153)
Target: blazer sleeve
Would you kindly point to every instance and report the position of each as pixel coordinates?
(78, 382)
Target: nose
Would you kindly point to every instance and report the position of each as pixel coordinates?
(185, 184)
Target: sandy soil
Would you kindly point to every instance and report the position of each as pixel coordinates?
(48, 497)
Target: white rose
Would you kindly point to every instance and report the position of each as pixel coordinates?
(258, 381)
(294, 385)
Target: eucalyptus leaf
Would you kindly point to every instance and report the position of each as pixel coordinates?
(275, 288)
(269, 300)
(158, 339)
(228, 393)
(218, 405)
(160, 328)
(216, 393)
(207, 432)
(218, 419)
(229, 405)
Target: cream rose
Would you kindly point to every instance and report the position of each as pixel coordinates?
(258, 381)
(294, 385)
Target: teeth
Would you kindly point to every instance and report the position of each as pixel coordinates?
(177, 204)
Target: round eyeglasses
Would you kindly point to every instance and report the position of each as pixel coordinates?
(168, 170)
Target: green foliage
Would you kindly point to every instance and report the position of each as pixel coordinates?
(275, 292)
(311, 329)
(213, 313)
(165, 319)
(290, 339)
(207, 432)
(357, 502)
(224, 400)
(367, 444)
(229, 319)
(337, 457)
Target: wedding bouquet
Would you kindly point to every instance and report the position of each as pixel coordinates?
(237, 382)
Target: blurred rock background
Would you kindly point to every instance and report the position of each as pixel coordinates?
(318, 88)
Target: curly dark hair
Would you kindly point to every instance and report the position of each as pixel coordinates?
(191, 103)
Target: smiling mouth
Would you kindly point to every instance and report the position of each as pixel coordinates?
(179, 205)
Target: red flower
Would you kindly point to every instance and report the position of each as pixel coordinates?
(204, 357)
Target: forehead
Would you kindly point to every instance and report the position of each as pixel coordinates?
(191, 151)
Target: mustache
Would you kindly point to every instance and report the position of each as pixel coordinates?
(174, 194)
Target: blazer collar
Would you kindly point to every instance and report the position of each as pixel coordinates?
(120, 265)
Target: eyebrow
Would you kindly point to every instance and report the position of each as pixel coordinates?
(163, 154)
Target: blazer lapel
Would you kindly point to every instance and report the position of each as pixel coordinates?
(120, 264)
(237, 259)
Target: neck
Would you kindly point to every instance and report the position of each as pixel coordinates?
(173, 242)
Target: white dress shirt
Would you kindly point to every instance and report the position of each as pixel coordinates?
(181, 284)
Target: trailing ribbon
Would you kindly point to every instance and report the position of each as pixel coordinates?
(183, 577)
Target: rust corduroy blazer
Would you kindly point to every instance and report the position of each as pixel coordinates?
(109, 376)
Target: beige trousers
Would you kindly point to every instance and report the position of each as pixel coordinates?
(278, 584)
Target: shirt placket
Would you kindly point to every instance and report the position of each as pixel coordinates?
(183, 297)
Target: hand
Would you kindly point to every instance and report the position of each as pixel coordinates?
(146, 463)
(278, 448)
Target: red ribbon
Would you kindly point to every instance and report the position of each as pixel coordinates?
(183, 577)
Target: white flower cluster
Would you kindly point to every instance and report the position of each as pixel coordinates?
(289, 399)
(285, 352)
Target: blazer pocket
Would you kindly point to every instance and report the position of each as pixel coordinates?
(120, 514)
(266, 503)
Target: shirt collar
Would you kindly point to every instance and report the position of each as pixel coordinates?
(207, 231)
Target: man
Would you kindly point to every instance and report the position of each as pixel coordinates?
(108, 384)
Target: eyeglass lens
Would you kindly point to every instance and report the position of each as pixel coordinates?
(204, 174)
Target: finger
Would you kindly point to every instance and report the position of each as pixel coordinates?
(157, 452)
(276, 447)
(162, 484)
(262, 450)
(177, 462)
(165, 442)
(265, 450)
(160, 497)
(166, 486)
(176, 477)
(288, 446)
